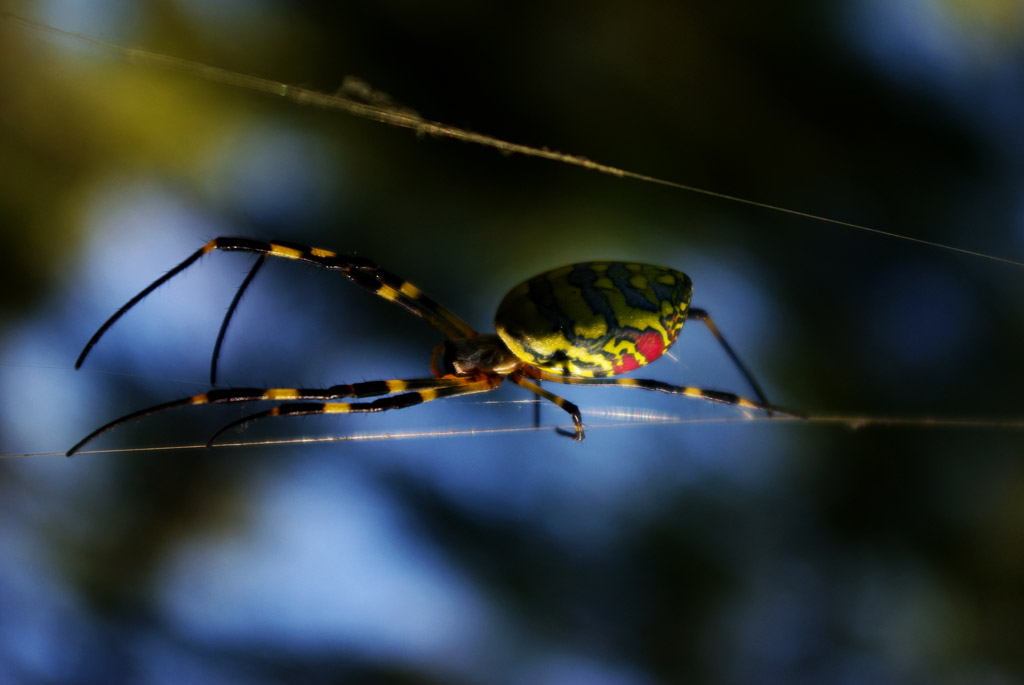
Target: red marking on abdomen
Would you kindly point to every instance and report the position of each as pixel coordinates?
(628, 363)
(650, 345)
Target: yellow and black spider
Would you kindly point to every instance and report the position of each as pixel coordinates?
(576, 325)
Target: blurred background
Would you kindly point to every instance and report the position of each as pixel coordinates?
(706, 551)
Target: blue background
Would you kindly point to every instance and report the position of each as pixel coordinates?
(707, 549)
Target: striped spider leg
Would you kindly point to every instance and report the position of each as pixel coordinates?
(476, 361)
(409, 393)
(575, 325)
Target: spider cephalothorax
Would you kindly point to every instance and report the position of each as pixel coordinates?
(578, 325)
(485, 354)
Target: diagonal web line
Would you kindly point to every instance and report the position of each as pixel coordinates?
(404, 118)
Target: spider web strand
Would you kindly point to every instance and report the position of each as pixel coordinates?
(852, 422)
(409, 120)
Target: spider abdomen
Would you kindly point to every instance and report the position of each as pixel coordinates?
(595, 318)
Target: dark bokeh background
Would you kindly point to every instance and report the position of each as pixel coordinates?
(737, 552)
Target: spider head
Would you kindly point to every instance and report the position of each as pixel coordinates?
(486, 354)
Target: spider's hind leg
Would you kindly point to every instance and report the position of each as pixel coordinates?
(687, 390)
(702, 315)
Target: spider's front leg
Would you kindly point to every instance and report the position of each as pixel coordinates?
(358, 270)
(432, 389)
(418, 387)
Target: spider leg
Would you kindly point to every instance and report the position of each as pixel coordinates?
(462, 385)
(702, 315)
(538, 403)
(360, 271)
(226, 395)
(135, 300)
(363, 273)
(565, 404)
(536, 409)
(659, 386)
(230, 313)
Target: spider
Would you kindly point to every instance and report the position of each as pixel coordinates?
(580, 324)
